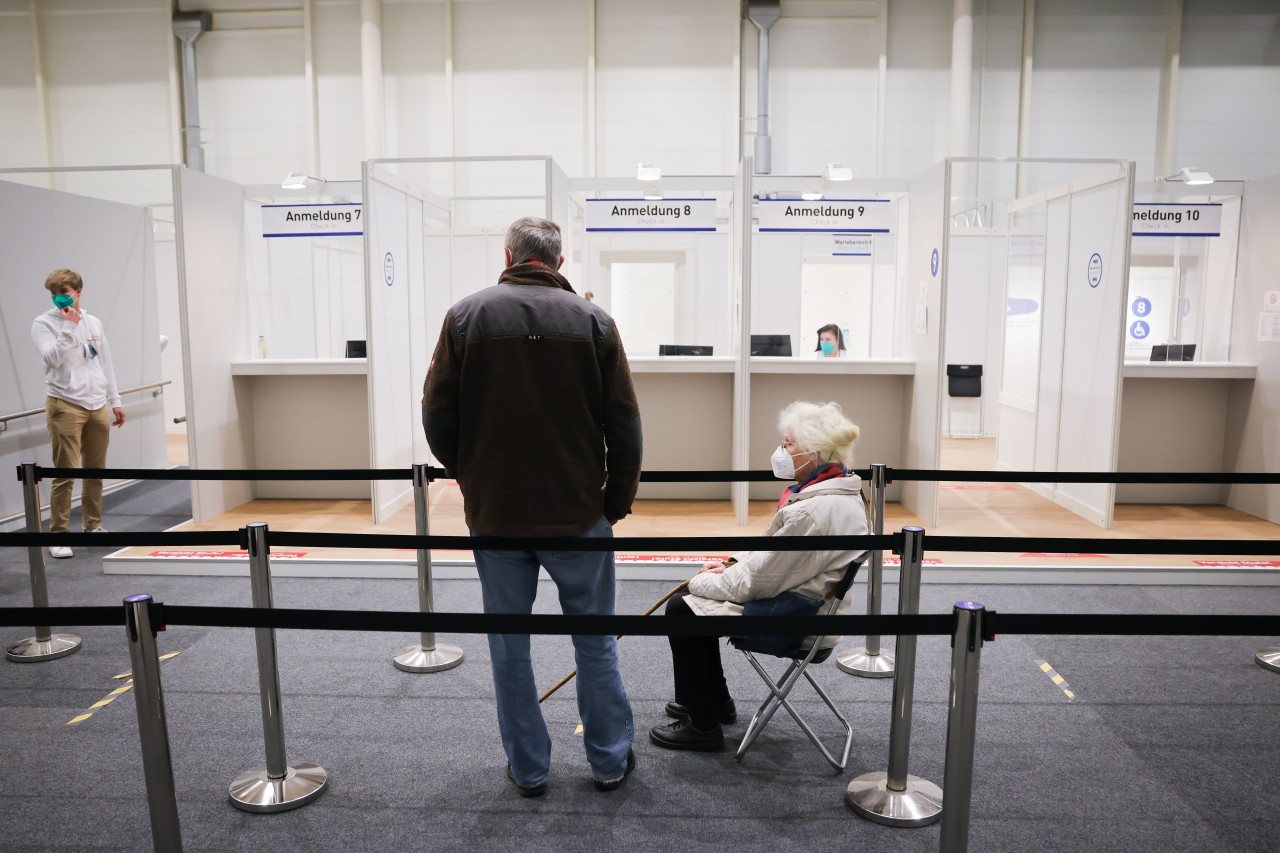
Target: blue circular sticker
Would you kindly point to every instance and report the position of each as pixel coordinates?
(1139, 330)
(933, 263)
(389, 269)
(1095, 269)
(1141, 306)
(1186, 306)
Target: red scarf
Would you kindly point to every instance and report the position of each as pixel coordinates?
(830, 471)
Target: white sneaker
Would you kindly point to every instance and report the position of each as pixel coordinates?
(59, 552)
(95, 530)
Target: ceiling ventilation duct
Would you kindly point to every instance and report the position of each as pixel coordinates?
(763, 14)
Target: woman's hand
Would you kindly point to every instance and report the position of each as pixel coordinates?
(713, 566)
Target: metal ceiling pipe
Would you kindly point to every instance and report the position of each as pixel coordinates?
(763, 14)
(188, 27)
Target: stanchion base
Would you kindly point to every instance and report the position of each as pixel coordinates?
(858, 662)
(1269, 659)
(919, 805)
(256, 792)
(32, 650)
(418, 659)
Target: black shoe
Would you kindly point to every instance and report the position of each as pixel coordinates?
(535, 791)
(617, 783)
(682, 735)
(726, 714)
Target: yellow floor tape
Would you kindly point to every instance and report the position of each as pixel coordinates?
(114, 694)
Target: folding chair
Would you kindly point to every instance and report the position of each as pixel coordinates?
(779, 690)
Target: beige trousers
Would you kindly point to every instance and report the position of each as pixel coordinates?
(79, 438)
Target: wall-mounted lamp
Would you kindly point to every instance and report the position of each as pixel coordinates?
(838, 172)
(1191, 176)
(811, 196)
(648, 176)
(299, 181)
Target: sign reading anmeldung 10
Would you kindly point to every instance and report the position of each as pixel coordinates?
(336, 219)
(849, 215)
(636, 214)
(1167, 219)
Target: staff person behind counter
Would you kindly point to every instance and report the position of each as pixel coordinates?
(81, 385)
(830, 343)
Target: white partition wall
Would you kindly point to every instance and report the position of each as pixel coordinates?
(925, 310)
(1254, 407)
(740, 339)
(214, 306)
(110, 245)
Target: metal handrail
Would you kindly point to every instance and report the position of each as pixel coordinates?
(4, 419)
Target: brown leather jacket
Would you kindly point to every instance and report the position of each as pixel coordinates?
(529, 404)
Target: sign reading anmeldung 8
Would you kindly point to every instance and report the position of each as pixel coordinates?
(635, 214)
(337, 219)
(835, 215)
(1164, 219)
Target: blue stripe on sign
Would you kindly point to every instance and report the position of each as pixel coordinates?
(1177, 234)
(651, 229)
(325, 204)
(827, 200)
(321, 234)
(850, 254)
(649, 200)
(1175, 204)
(830, 230)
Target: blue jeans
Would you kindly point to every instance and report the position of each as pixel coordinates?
(585, 581)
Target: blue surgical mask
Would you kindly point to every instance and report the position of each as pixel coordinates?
(62, 300)
(827, 347)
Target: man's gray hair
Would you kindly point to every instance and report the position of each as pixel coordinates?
(534, 239)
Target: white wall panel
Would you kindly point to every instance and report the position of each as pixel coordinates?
(337, 70)
(413, 40)
(917, 86)
(20, 139)
(215, 307)
(110, 246)
(1097, 79)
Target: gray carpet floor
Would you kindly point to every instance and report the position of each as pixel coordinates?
(1171, 744)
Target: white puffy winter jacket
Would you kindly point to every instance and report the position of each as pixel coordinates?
(828, 508)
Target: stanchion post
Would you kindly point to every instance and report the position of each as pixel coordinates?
(896, 798)
(1268, 659)
(45, 645)
(280, 786)
(957, 777)
(426, 656)
(153, 731)
(869, 661)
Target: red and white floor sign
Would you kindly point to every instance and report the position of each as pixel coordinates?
(1062, 554)
(1230, 564)
(223, 555)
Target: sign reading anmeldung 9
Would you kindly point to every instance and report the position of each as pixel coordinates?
(834, 215)
(1163, 219)
(635, 214)
(337, 219)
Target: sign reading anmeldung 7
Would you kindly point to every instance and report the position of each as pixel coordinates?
(834, 215)
(335, 219)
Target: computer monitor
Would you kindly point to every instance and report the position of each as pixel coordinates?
(778, 345)
(682, 349)
(356, 349)
(1173, 352)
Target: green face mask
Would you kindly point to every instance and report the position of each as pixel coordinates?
(828, 347)
(63, 301)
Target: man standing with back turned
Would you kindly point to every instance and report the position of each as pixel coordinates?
(529, 404)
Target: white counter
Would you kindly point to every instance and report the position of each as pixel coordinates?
(680, 364)
(846, 366)
(1188, 370)
(301, 367)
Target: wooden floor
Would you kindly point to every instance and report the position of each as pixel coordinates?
(965, 509)
(176, 449)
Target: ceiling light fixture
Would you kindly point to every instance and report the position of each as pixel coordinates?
(299, 181)
(1191, 176)
(838, 172)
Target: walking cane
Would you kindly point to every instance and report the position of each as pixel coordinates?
(570, 676)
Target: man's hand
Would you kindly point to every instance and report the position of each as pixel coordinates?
(117, 416)
(71, 314)
(715, 567)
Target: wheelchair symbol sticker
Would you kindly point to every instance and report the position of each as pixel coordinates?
(1139, 330)
(1141, 307)
(933, 263)
(389, 269)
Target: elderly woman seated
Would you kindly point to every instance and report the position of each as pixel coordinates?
(825, 500)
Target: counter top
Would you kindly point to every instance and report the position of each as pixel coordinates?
(301, 367)
(1188, 370)
(843, 366)
(680, 364)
